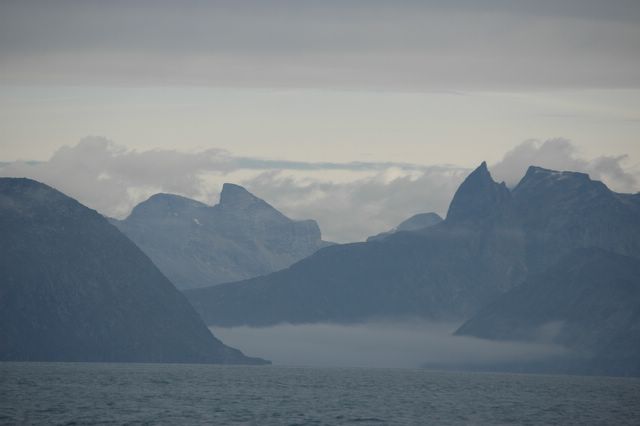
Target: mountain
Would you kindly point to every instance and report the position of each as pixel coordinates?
(445, 272)
(478, 198)
(561, 211)
(414, 223)
(197, 245)
(589, 301)
(491, 240)
(74, 288)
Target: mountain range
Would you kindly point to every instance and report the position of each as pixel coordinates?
(555, 259)
(552, 231)
(74, 288)
(197, 245)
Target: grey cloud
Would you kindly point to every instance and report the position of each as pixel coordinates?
(260, 164)
(351, 201)
(112, 179)
(352, 211)
(350, 44)
(379, 344)
(561, 154)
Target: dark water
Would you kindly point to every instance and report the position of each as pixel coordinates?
(34, 393)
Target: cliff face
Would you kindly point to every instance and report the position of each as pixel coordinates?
(561, 211)
(74, 288)
(478, 198)
(197, 245)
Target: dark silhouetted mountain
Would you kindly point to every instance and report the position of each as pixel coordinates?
(74, 288)
(477, 198)
(561, 211)
(414, 223)
(404, 275)
(632, 199)
(197, 245)
(490, 241)
(589, 302)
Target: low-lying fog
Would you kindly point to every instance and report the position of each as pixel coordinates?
(377, 344)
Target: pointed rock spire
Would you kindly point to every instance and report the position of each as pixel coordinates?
(235, 196)
(477, 197)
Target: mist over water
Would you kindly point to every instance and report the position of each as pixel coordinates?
(383, 344)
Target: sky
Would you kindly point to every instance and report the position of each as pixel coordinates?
(355, 113)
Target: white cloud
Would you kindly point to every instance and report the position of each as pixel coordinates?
(561, 154)
(352, 211)
(351, 201)
(112, 179)
(357, 200)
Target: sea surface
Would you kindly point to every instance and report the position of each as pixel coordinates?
(171, 394)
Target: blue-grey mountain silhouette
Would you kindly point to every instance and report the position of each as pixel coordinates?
(588, 302)
(74, 288)
(446, 271)
(197, 245)
(491, 240)
(416, 222)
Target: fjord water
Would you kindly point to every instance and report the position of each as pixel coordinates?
(90, 393)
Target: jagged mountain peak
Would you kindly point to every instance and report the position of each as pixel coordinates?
(195, 244)
(477, 197)
(539, 181)
(236, 196)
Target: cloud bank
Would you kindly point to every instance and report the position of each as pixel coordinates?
(409, 45)
(379, 344)
(561, 154)
(351, 201)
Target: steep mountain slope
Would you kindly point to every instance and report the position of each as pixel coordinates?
(196, 245)
(478, 199)
(589, 302)
(74, 288)
(414, 223)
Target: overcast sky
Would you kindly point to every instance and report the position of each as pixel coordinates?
(321, 107)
